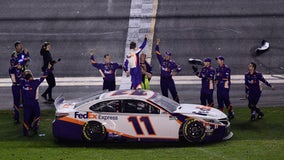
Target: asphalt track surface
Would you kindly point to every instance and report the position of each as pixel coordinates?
(187, 28)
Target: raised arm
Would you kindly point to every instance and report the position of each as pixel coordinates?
(158, 53)
(92, 60)
(142, 45)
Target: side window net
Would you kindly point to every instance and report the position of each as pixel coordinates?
(133, 106)
(107, 106)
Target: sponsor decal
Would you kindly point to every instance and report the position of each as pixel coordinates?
(131, 92)
(105, 117)
(89, 115)
(202, 110)
(210, 127)
(27, 88)
(172, 118)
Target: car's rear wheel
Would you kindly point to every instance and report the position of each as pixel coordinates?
(193, 131)
(94, 131)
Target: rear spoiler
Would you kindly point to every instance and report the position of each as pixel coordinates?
(59, 100)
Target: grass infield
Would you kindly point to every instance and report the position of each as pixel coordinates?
(262, 139)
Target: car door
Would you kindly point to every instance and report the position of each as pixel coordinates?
(140, 119)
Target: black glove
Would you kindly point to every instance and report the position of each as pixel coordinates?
(52, 62)
(59, 59)
(194, 68)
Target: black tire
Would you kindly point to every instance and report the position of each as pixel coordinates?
(193, 131)
(94, 131)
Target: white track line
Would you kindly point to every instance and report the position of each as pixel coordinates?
(179, 80)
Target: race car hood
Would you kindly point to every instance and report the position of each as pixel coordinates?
(200, 111)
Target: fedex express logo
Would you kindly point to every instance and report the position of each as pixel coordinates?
(89, 115)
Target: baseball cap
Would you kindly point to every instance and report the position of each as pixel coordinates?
(207, 59)
(220, 57)
(17, 42)
(168, 53)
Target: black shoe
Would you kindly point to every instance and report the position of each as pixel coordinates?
(44, 96)
(28, 133)
(35, 132)
(50, 100)
(260, 115)
(252, 117)
(16, 121)
(231, 115)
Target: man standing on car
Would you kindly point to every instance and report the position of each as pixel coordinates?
(132, 65)
(168, 69)
(223, 83)
(206, 74)
(107, 70)
(254, 89)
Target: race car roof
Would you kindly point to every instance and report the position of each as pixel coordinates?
(136, 94)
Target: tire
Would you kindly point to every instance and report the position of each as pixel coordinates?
(94, 131)
(193, 131)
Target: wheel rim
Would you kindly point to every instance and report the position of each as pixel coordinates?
(195, 130)
(94, 131)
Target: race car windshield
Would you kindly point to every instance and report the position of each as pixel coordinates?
(165, 102)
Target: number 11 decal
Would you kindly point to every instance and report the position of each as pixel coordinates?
(136, 124)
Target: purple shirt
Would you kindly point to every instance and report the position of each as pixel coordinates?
(223, 77)
(29, 88)
(107, 69)
(252, 82)
(167, 66)
(17, 72)
(207, 77)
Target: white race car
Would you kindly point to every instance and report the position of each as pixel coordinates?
(137, 115)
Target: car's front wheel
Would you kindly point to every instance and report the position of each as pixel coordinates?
(193, 131)
(94, 131)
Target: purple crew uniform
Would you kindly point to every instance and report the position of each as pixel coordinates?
(223, 82)
(166, 80)
(207, 82)
(254, 89)
(132, 64)
(15, 75)
(108, 71)
(31, 108)
(22, 58)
